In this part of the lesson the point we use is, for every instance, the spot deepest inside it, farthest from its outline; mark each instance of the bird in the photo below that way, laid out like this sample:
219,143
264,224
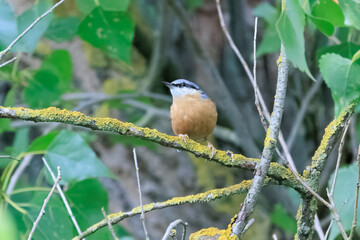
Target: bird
193,114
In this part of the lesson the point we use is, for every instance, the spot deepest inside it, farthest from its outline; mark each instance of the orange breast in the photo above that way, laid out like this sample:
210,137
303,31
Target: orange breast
193,116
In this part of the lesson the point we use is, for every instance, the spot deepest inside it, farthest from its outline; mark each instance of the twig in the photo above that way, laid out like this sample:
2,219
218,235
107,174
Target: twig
14,178
328,229
142,216
7,62
318,228
42,211
341,145
58,187
256,90
310,189
249,224
268,150
274,237
109,223
357,197
336,215
172,226
264,112
2,53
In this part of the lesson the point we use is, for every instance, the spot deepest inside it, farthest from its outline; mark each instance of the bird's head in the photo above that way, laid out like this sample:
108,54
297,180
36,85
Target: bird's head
182,87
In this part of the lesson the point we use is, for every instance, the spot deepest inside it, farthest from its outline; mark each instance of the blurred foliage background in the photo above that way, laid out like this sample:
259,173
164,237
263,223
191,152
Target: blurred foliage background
108,58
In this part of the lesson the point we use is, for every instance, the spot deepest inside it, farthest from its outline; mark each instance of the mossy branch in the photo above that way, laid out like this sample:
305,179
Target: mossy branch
312,176
52,114
211,195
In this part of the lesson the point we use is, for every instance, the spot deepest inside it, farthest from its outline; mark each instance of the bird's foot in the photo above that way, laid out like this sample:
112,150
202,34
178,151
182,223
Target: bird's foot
212,148
184,137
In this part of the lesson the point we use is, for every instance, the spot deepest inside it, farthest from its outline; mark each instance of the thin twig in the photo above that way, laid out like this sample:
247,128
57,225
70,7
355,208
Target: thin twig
7,62
172,226
328,229
58,187
264,112
274,237
249,224
357,197
336,215
42,211
341,145
142,216
310,189
262,118
2,53
109,223
14,178
318,228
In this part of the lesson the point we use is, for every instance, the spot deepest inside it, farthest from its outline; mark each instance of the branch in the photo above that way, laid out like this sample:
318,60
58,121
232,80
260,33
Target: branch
109,224
7,62
42,211
67,206
276,171
353,227
142,216
269,148
211,195
172,226
332,135
2,53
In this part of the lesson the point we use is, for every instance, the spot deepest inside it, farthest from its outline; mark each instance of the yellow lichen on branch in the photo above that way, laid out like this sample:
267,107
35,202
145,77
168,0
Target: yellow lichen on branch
197,198
53,114
214,233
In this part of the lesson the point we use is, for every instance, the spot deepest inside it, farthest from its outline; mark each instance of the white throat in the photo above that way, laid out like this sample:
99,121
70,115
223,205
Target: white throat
180,92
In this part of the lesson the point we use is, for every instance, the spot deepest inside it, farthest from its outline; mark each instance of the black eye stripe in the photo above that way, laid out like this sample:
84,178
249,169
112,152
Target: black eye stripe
185,85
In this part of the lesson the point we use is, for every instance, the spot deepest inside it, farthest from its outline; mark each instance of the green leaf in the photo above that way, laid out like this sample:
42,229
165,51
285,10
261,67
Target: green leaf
271,40
342,77
76,159
266,11
356,57
21,141
42,143
112,32
346,50
43,90
5,125
291,28
8,229
62,29
351,11
329,11
111,5
283,219
59,63
344,197
87,6
55,224
87,198
8,25
30,40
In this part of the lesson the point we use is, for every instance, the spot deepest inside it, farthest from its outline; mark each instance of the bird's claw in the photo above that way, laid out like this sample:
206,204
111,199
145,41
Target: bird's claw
212,148
184,137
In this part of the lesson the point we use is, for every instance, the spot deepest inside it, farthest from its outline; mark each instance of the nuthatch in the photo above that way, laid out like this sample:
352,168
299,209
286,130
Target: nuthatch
192,113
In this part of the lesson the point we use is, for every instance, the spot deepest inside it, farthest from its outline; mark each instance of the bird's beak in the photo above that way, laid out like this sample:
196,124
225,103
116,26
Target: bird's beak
167,84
